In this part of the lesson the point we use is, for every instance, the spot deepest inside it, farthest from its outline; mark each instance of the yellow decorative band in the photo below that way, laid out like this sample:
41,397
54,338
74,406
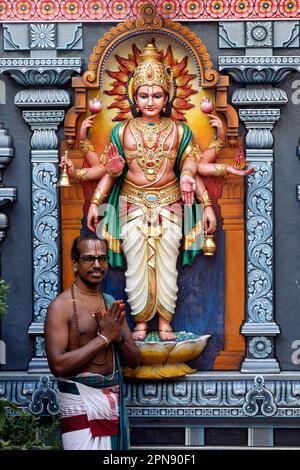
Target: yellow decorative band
193,152
151,197
205,199
113,243
217,145
187,172
193,235
97,197
87,146
221,169
81,174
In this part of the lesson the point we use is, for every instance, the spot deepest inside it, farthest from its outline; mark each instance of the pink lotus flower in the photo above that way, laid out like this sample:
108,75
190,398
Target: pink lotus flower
119,9
217,8
23,10
168,8
71,9
95,9
193,8
95,105
241,8
290,8
47,9
206,105
266,8
4,10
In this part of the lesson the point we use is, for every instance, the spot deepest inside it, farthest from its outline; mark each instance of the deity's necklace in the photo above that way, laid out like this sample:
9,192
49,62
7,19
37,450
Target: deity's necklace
150,159
94,316
151,130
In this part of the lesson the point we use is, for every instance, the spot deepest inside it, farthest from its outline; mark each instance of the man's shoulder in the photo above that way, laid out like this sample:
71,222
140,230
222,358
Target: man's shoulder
61,302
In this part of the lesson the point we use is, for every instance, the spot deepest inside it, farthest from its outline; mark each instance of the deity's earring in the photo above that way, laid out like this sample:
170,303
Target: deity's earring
164,109
137,109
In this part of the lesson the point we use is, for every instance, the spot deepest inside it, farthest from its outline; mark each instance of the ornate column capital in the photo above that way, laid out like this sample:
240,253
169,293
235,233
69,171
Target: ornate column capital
259,96
259,123
40,71
259,117
257,70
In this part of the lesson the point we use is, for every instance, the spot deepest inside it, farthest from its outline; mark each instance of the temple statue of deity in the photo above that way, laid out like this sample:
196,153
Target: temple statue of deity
149,199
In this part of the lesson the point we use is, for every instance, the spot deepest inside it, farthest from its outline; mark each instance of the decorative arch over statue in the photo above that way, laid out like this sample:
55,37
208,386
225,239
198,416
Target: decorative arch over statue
211,292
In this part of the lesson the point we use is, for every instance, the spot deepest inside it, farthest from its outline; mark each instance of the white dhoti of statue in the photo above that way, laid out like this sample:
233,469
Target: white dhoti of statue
151,234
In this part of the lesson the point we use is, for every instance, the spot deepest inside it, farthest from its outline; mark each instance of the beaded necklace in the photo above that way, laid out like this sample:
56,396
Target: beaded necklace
97,363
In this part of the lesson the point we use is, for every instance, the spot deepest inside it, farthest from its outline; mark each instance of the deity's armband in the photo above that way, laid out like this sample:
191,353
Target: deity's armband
103,158
81,174
86,146
217,145
196,153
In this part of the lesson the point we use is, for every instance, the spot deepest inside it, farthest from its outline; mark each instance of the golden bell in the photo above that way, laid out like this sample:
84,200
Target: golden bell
64,181
209,246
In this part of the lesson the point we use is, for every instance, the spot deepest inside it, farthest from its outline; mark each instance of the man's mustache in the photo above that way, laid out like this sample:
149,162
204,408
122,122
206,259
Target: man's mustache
97,271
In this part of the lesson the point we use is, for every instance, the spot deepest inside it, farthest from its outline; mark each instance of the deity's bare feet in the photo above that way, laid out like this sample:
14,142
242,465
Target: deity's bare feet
165,331
140,331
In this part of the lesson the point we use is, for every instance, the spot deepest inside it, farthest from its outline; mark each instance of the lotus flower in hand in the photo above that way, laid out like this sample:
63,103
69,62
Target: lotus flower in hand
206,105
95,105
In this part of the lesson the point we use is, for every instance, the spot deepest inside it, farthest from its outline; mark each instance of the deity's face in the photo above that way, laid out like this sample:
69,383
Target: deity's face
92,271
151,100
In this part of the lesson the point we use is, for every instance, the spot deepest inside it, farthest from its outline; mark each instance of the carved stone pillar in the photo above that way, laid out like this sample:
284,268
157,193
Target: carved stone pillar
260,327
45,223
258,70
41,75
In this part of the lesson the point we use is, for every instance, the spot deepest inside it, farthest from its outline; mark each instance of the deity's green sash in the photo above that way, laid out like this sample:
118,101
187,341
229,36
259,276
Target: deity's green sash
192,223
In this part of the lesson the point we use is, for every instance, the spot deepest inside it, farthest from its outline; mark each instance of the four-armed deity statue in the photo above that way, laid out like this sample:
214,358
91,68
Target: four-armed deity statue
150,199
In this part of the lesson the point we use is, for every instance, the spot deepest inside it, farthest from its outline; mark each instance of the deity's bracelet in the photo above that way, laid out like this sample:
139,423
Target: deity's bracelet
81,174
221,169
187,172
97,197
206,203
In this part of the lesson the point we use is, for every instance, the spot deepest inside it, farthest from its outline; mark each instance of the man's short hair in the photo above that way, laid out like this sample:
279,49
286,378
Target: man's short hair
75,251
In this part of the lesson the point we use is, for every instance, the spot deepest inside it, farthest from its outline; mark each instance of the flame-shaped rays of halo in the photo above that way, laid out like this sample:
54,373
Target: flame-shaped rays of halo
127,65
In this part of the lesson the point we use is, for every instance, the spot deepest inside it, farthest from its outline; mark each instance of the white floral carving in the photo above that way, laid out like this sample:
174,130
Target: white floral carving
42,36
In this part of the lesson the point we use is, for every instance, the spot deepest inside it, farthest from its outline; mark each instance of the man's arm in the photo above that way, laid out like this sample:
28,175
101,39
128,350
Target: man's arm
129,352
64,363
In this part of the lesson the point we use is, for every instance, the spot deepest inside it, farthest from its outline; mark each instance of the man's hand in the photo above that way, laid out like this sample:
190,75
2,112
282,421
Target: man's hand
112,322
235,171
187,188
86,124
209,220
115,161
65,161
92,217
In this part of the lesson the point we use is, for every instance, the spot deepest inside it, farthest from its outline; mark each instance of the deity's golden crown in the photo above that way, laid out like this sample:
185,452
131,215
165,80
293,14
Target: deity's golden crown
151,71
